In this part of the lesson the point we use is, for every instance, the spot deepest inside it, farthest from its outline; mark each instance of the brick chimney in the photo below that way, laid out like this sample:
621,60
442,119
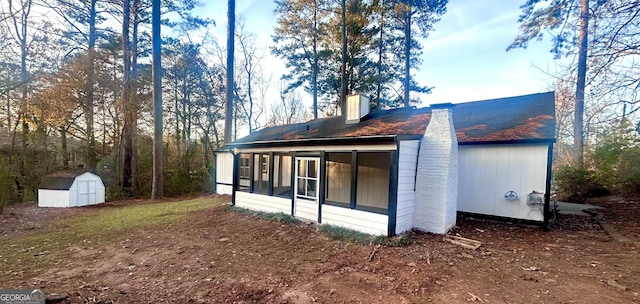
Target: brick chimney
436,193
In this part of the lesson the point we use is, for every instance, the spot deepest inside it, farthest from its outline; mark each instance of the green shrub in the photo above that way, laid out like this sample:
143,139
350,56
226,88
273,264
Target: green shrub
630,172
8,191
576,184
616,159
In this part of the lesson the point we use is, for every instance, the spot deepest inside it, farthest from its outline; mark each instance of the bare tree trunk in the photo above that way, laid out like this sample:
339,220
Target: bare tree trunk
127,129
228,119
88,103
578,128
407,54
65,153
157,186
314,72
20,26
343,84
135,180
176,112
380,54
8,111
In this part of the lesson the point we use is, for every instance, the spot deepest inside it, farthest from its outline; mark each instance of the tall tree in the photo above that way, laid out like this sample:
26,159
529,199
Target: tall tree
424,13
78,15
388,70
359,51
157,184
565,19
19,12
228,119
578,126
289,110
88,102
300,26
127,100
343,57
250,77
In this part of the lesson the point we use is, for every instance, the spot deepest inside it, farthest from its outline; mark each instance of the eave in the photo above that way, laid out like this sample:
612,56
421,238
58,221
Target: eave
323,141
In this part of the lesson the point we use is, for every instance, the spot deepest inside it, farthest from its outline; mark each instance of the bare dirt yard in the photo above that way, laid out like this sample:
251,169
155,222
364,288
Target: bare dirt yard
200,251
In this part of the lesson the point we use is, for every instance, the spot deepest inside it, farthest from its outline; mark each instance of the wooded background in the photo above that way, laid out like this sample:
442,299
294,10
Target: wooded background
76,83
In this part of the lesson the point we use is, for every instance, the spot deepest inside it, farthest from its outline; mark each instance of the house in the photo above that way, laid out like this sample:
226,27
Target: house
47,148
390,171
70,190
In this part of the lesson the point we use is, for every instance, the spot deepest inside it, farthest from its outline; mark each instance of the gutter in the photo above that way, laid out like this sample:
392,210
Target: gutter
319,141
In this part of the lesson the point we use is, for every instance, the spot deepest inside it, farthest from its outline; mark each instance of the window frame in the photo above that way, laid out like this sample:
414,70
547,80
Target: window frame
247,170
290,174
258,184
353,203
244,168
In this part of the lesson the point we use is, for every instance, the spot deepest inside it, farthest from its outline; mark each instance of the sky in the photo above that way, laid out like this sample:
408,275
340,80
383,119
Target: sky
464,59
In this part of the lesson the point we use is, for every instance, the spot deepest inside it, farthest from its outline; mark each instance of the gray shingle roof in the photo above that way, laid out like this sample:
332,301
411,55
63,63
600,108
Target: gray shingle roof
58,181
520,118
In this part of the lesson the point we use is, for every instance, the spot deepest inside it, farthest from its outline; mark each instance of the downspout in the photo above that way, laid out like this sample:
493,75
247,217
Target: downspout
547,190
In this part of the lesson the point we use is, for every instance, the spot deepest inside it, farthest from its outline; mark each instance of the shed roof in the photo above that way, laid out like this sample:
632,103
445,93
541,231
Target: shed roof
59,180
511,119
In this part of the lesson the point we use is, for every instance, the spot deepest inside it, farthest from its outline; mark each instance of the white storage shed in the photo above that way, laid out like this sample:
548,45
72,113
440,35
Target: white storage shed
70,190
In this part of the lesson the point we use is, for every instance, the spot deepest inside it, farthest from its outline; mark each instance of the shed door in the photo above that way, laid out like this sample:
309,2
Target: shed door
306,193
86,192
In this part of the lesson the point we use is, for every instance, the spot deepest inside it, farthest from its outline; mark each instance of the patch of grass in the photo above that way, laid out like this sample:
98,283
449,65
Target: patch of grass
268,216
130,217
401,240
345,234
34,252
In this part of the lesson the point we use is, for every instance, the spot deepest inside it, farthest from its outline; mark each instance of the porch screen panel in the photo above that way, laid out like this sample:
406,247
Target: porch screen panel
282,175
373,180
260,173
338,179
244,172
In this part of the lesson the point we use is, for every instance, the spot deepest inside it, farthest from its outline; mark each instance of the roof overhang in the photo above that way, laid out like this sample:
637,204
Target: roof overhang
366,140
363,140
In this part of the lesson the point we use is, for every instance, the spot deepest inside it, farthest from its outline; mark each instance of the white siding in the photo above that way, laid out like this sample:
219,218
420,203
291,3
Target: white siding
362,221
407,160
224,172
53,198
263,203
306,209
487,172
87,189
224,189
